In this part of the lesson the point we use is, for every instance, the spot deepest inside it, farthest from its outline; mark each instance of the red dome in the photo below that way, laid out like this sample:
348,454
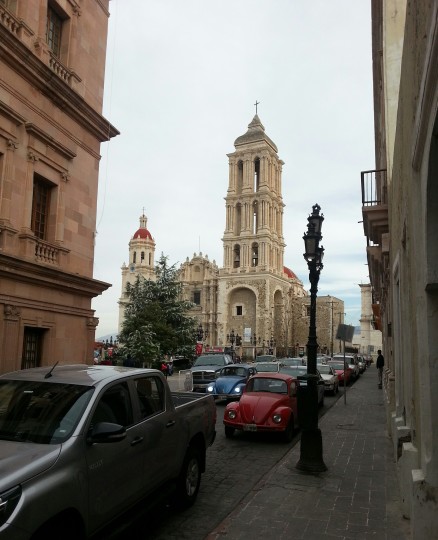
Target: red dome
143,234
289,273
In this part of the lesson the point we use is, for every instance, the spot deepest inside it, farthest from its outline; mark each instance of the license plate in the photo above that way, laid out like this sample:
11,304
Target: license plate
249,427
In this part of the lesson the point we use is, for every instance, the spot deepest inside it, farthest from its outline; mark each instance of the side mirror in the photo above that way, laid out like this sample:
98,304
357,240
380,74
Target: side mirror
106,432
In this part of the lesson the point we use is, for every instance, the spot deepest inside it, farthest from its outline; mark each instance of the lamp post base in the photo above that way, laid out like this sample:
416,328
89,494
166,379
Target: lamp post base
311,459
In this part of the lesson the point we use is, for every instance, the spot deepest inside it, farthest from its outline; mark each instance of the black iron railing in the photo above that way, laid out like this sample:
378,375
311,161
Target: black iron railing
374,187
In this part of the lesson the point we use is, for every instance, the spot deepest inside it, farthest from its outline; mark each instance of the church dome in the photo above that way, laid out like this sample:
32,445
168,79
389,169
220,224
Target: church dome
256,133
142,232
289,273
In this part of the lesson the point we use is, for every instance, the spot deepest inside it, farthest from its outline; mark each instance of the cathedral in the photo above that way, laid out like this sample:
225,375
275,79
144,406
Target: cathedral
253,303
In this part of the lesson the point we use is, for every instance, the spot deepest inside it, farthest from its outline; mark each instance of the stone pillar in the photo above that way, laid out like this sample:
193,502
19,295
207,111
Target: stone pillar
10,350
6,184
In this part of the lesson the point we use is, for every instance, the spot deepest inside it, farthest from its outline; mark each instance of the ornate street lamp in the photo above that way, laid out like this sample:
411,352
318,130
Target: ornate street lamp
311,459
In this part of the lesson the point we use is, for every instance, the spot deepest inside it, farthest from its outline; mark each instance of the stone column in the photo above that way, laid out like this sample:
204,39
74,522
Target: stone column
6,184
11,351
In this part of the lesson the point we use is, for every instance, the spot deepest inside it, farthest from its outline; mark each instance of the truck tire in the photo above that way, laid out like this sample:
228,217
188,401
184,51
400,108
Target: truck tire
229,432
189,479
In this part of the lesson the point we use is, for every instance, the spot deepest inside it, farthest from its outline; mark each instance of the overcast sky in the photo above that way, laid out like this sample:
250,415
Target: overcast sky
182,77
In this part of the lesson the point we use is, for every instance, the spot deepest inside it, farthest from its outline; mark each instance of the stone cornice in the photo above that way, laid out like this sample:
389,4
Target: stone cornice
14,53
39,134
43,276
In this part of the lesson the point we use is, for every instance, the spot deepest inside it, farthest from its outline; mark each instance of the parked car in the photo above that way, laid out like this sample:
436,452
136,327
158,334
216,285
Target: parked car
352,363
331,381
268,404
297,371
205,369
266,358
267,366
82,444
343,371
292,361
361,362
231,381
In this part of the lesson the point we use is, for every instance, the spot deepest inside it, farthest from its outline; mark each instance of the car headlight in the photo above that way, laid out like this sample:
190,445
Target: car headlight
277,418
237,390
210,388
8,501
231,415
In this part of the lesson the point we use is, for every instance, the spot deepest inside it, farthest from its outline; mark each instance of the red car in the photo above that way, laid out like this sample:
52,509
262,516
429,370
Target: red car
340,370
268,404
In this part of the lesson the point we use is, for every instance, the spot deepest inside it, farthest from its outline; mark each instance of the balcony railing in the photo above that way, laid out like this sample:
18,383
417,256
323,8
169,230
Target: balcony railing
374,187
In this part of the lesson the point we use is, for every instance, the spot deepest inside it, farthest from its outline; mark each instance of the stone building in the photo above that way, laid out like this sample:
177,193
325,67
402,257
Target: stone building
52,62
370,336
141,262
400,216
253,296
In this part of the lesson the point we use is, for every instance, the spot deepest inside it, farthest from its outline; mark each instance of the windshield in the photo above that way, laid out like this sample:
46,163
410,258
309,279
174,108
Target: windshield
267,366
258,384
210,361
337,365
232,371
40,412
294,370
324,369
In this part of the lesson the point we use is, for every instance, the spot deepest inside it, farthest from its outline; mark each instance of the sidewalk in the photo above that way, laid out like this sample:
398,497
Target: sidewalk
357,498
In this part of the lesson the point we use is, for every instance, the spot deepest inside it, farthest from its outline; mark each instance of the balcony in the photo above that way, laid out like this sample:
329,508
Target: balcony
374,205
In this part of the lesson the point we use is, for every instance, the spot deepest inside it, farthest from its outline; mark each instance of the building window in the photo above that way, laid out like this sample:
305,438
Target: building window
134,257
150,259
197,297
239,310
142,256
236,260
40,207
255,255
307,311
256,174
32,347
53,31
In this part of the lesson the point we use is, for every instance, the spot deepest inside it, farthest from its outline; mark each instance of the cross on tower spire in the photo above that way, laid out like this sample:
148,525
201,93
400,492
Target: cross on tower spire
256,103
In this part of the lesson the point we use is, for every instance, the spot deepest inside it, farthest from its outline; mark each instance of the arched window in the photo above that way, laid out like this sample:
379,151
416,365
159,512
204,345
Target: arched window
255,217
236,259
256,174
134,257
238,224
239,183
255,254
142,256
150,259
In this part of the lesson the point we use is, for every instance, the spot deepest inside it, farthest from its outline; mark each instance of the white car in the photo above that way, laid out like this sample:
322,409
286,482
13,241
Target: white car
331,381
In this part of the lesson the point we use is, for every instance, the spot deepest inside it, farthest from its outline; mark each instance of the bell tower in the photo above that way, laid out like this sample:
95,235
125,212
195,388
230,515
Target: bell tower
253,238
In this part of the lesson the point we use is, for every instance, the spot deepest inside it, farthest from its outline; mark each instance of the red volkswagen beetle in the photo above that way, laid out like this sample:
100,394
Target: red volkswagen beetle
342,369
268,404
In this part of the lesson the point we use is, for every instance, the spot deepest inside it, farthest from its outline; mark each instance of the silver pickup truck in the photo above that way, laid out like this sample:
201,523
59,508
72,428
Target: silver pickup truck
80,445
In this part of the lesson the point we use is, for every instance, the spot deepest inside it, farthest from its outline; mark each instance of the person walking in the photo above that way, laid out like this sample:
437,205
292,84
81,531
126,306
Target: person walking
380,362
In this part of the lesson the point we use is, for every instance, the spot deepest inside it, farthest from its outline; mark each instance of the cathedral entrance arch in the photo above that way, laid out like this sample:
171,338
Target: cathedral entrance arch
242,318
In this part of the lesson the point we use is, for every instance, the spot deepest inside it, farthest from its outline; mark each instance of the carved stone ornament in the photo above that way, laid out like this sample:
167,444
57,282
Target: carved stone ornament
93,321
12,313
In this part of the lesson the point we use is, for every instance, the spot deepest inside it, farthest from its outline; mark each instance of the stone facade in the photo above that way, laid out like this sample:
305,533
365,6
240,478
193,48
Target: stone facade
52,65
370,338
401,224
253,295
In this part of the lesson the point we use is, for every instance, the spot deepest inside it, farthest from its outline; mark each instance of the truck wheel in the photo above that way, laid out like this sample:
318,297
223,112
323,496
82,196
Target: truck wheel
229,432
189,478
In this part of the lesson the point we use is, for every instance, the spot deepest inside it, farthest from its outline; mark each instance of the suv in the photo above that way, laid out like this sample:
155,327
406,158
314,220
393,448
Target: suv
206,367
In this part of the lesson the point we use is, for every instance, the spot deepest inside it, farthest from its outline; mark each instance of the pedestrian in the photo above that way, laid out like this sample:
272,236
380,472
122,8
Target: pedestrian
380,362
164,369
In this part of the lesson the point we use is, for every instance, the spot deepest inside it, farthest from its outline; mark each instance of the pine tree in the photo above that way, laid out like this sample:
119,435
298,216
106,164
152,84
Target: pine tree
156,321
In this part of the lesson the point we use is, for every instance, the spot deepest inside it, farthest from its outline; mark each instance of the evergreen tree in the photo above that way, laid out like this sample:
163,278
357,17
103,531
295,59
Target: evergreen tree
156,321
